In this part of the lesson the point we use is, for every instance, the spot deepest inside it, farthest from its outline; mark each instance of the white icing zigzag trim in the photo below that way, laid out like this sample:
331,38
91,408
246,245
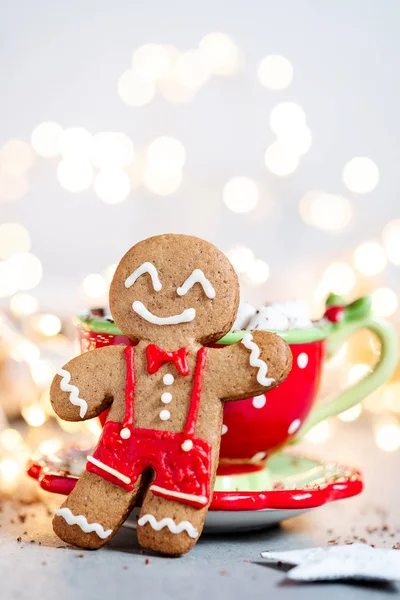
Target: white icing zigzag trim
146,267
185,317
197,277
82,522
73,396
170,524
255,360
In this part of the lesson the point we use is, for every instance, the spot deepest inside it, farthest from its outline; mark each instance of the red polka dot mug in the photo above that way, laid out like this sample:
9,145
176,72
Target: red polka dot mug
256,427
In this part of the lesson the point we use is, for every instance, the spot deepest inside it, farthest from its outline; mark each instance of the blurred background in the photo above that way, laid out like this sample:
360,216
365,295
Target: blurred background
269,128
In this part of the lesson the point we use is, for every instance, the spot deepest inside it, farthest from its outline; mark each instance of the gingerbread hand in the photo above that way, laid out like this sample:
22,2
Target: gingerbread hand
259,362
87,384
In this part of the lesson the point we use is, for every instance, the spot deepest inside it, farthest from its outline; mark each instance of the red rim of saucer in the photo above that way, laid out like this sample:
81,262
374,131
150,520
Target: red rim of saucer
308,497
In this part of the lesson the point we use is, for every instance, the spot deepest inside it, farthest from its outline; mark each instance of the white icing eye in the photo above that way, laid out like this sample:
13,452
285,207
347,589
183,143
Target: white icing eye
197,276
146,267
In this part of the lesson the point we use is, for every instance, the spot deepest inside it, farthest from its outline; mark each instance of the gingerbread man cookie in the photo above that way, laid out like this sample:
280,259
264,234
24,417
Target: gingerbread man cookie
174,296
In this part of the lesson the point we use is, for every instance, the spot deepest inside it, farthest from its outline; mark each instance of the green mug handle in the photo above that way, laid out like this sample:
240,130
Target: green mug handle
354,317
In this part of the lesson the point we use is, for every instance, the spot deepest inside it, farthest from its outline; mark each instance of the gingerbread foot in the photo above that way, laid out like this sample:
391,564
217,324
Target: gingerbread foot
167,526
93,512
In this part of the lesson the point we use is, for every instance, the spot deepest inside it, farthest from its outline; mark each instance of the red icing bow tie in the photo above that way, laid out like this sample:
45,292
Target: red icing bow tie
157,357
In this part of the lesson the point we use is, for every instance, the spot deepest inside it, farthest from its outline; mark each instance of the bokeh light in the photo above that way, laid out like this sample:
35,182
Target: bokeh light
357,372
391,241
166,154
162,183
34,415
339,278
134,89
112,185
109,272
74,176
280,160
241,258
111,149
275,72
25,350
152,61
28,270
12,187
329,212
76,144
286,117
190,70
319,434
370,258
351,414
220,53
94,285
391,396
174,91
47,324
42,373
23,305
385,302
46,138
10,439
8,280
13,238
241,194
16,157
361,175
296,142
387,437
258,272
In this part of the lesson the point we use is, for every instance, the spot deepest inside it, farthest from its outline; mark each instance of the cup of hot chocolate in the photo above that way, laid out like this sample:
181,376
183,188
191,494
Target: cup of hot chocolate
256,427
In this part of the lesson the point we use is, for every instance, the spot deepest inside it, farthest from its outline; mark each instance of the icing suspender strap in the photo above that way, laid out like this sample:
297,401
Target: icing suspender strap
196,392
130,386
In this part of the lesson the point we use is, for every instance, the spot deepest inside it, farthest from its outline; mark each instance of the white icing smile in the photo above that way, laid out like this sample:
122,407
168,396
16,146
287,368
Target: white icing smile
185,317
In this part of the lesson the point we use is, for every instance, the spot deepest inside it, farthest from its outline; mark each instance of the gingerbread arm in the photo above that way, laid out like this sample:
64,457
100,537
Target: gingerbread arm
87,384
256,364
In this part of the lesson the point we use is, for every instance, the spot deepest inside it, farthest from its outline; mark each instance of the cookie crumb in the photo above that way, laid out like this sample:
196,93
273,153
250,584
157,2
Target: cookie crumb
44,563
224,572
125,568
19,539
32,541
80,555
396,546
147,561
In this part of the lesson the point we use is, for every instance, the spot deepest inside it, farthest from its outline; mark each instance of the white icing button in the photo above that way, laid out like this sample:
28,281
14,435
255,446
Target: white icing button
165,415
168,379
166,397
294,426
302,360
125,433
259,401
187,445
224,429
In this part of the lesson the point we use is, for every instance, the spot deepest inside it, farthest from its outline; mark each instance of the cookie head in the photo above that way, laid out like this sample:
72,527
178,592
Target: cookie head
171,289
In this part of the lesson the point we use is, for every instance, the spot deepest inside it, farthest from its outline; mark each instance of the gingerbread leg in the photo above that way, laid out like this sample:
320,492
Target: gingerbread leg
167,526
93,512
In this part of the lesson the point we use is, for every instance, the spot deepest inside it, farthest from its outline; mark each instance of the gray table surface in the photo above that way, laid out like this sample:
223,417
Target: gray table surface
227,566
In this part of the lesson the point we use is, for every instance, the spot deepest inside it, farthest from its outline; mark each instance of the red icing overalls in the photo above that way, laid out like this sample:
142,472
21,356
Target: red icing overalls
182,462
